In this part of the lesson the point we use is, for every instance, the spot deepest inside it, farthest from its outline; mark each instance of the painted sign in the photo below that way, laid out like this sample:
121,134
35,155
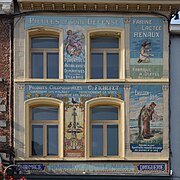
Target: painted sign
151,167
66,21
74,145
74,54
75,30
146,112
146,48
92,168
32,167
146,118
74,92
146,42
74,97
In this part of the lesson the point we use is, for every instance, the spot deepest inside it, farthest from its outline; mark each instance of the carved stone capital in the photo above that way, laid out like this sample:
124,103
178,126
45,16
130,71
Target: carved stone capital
165,87
127,87
20,86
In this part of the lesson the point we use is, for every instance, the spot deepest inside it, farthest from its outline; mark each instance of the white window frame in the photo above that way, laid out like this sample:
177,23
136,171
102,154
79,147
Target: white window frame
119,32
41,102
121,128
38,32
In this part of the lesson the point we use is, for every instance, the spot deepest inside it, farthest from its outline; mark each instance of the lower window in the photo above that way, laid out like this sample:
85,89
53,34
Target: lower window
44,131
104,131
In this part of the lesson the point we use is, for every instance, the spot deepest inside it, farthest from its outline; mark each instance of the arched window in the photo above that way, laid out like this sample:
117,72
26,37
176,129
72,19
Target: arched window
44,54
44,57
106,55
44,127
105,125
104,130
44,130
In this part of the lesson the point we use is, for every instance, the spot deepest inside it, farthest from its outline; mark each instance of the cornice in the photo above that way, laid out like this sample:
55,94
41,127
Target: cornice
100,5
109,1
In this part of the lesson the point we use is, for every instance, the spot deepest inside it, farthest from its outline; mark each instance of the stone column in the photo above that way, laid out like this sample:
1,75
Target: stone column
165,49
19,121
127,45
127,101
166,118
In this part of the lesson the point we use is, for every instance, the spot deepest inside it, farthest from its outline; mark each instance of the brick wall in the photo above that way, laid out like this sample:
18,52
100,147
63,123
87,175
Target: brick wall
5,85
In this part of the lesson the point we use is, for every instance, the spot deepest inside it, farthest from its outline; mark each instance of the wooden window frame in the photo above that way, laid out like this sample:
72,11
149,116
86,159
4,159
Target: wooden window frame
43,32
36,102
121,51
110,101
44,51
44,124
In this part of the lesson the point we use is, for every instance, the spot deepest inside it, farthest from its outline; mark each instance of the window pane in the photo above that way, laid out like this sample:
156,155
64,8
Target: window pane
44,42
112,140
37,140
97,140
37,65
52,140
96,66
44,113
52,65
104,113
112,65
105,42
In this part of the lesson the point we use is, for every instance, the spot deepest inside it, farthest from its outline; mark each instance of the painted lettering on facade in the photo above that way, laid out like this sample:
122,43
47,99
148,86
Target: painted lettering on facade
74,97
152,167
97,168
76,91
60,21
74,37
146,119
146,48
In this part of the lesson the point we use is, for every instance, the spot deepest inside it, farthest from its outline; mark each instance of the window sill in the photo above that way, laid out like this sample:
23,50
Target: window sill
71,159
105,80
162,80
38,80
105,158
39,159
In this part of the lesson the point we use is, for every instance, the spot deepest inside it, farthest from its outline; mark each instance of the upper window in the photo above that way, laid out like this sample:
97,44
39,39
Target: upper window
44,51
45,57
105,56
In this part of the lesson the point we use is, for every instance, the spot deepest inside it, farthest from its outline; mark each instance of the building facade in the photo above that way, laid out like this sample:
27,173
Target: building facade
174,99
6,82
92,88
